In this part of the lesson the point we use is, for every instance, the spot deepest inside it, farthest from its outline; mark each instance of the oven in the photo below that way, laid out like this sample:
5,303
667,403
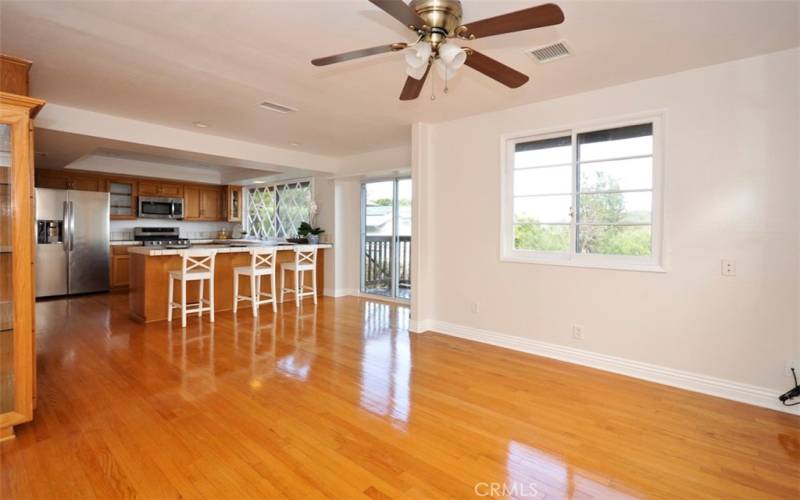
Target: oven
160,208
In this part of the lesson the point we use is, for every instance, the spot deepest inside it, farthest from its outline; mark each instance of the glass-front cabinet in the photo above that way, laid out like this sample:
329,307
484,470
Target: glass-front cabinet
17,367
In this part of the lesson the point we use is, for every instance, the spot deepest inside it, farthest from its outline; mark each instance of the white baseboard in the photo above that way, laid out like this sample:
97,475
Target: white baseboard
745,393
340,292
419,326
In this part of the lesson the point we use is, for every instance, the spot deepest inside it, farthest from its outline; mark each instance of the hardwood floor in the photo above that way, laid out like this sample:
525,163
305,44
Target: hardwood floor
340,401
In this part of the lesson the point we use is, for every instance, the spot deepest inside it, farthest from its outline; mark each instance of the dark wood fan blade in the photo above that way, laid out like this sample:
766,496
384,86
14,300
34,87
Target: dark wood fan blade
526,19
413,87
495,69
401,11
355,54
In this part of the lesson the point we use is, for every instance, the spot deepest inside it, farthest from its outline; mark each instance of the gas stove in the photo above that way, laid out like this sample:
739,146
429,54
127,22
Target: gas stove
166,237
167,243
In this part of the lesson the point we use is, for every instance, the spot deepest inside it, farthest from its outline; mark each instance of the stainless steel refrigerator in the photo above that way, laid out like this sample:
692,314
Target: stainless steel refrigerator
72,242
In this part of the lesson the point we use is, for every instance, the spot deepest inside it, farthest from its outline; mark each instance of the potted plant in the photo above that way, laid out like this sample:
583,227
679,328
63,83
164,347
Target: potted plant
309,232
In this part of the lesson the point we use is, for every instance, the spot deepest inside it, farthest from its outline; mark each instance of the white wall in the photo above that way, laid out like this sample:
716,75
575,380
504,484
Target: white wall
732,178
123,229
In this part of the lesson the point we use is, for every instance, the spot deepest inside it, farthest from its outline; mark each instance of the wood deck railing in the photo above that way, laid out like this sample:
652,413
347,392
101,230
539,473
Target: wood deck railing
377,261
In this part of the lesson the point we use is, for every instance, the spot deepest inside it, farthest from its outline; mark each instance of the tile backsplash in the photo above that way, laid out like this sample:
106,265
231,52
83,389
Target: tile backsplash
123,229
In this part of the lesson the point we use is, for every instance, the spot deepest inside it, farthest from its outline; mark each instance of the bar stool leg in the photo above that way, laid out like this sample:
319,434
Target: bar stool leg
283,281
273,292
183,303
314,283
253,297
170,299
235,292
297,287
211,297
200,299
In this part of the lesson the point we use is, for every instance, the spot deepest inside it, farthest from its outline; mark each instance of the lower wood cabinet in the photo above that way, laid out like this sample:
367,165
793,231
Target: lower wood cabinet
119,275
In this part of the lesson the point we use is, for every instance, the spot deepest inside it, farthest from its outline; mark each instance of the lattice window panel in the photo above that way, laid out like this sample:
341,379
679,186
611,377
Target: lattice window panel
276,211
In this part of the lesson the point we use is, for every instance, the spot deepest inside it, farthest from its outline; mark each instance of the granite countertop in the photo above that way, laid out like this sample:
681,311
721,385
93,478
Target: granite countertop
155,252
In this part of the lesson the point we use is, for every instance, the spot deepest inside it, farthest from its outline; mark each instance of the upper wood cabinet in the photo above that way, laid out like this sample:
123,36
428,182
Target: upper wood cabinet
211,203
234,203
203,202
17,217
14,75
123,192
191,203
157,188
61,179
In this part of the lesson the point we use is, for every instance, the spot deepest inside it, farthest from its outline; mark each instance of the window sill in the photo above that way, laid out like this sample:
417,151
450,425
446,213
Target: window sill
610,265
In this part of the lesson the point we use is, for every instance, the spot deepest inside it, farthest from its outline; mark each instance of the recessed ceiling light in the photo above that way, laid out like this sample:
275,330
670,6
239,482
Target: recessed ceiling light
200,124
258,182
294,144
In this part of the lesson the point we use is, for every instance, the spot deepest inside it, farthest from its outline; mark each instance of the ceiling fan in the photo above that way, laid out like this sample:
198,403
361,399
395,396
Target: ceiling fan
436,21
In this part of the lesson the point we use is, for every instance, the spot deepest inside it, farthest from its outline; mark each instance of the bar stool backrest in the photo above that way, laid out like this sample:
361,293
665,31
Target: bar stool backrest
198,260
262,258
305,255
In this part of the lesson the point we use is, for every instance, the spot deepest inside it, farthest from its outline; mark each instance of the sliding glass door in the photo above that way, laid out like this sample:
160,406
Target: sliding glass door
386,238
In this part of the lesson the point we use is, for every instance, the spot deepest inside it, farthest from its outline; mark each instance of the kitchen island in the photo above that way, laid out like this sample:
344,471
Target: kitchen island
149,278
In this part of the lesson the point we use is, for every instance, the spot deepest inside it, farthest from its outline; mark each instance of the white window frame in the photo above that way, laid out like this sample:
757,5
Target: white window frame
246,204
651,263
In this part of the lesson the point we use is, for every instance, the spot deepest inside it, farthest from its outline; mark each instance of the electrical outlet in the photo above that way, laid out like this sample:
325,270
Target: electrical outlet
793,363
577,332
728,267
476,307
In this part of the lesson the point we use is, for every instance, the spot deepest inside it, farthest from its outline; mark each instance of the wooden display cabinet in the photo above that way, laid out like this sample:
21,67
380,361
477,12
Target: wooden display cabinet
17,349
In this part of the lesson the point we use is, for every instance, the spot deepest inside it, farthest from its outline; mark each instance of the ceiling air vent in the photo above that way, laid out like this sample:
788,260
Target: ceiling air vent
550,52
278,108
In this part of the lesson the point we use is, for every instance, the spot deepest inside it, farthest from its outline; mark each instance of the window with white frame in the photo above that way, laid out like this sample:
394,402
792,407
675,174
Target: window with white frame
588,196
275,211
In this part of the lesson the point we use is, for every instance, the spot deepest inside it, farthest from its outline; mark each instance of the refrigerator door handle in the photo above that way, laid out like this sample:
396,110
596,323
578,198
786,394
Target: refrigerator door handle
66,226
71,227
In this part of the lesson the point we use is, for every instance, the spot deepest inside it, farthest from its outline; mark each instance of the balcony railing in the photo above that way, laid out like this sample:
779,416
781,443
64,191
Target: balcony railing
378,265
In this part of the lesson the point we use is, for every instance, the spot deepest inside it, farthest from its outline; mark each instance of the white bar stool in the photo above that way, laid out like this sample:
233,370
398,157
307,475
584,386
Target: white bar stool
305,259
262,263
197,265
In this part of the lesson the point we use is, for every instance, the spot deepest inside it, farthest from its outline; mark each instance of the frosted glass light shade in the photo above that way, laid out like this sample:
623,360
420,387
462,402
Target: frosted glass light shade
416,73
452,55
418,55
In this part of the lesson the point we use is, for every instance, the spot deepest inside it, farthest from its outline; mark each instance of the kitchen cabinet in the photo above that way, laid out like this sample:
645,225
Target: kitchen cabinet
118,267
202,203
17,348
210,203
234,203
191,203
60,179
156,188
122,193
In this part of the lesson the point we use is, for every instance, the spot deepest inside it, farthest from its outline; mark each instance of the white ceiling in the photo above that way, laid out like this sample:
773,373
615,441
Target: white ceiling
174,63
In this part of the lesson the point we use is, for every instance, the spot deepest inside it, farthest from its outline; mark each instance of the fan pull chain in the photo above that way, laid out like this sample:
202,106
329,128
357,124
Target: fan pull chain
433,89
445,81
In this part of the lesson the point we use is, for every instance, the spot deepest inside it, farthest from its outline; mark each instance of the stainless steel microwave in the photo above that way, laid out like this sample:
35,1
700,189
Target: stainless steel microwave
153,207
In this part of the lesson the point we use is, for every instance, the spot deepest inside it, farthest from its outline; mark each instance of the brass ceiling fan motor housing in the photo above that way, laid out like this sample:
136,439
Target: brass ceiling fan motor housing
442,16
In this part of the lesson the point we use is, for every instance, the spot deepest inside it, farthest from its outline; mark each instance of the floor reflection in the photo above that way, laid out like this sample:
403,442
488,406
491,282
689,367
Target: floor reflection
198,375
386,362
301,331
532,473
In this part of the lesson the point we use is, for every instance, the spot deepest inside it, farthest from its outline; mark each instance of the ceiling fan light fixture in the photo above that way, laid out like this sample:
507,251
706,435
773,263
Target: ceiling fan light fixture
418,72
417,56
445,72
453,56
